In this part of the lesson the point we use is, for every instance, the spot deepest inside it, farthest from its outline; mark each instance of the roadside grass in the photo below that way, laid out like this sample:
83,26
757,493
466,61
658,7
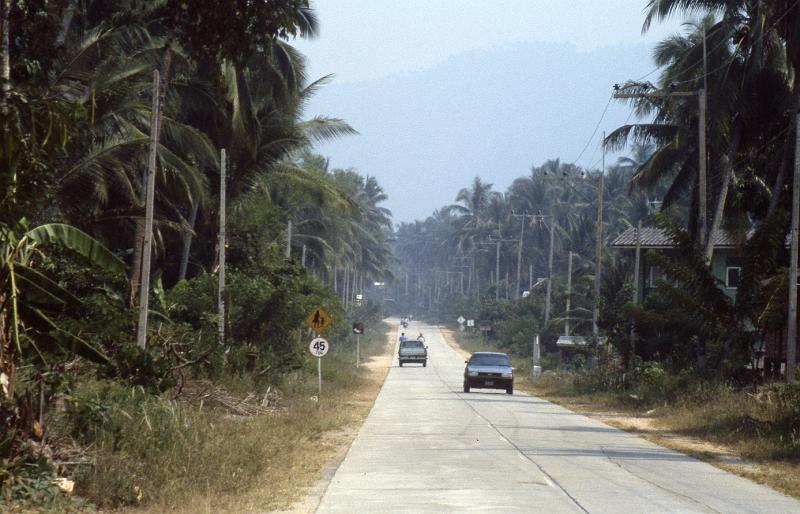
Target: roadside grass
156,454
755,435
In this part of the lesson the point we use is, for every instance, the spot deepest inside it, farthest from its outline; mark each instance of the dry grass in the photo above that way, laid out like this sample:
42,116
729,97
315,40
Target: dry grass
179,457
730,429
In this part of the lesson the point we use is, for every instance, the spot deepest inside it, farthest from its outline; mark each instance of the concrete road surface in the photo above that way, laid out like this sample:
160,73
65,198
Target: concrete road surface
428,447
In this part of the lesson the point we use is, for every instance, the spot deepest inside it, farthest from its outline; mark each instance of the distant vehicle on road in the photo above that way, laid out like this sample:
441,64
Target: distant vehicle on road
412,351
489,370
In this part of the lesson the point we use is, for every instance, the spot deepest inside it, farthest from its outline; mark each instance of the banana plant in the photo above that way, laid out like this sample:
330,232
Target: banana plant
29,299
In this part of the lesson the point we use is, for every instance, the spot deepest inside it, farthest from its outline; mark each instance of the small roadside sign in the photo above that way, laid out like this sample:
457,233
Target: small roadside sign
318,320
461,320
470,322
318,347
358,328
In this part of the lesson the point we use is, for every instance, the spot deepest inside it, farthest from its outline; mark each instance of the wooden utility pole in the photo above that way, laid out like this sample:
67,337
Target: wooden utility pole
702,187
569,293
791,323
598,248
144,288
636,272
221,289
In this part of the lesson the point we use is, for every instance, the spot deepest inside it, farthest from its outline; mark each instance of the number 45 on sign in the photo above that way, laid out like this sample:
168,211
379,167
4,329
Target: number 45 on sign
318,347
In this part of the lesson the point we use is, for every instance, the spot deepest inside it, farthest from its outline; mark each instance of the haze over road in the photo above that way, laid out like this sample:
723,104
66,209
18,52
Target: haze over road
428,447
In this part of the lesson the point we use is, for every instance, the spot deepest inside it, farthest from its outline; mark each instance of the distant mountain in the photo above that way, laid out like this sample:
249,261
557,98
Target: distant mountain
494,113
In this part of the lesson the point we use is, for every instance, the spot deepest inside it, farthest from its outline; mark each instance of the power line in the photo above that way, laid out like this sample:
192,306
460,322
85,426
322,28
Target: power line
594,132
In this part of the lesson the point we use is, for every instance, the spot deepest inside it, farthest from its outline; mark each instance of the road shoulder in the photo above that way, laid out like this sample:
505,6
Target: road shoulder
781,476
342,439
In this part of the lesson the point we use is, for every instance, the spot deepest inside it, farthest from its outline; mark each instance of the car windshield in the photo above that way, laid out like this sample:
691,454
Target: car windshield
411,344
489,360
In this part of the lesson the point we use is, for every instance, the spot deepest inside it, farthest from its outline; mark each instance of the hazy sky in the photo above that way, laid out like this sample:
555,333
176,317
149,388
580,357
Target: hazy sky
452,53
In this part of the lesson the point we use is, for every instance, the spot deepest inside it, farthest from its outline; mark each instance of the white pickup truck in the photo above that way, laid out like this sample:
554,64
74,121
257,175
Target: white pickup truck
412,351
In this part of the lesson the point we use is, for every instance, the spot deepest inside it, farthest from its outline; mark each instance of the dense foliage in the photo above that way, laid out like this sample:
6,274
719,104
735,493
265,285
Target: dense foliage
76,110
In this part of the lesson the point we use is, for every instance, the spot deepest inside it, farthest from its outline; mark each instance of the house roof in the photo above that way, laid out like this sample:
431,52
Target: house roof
658,238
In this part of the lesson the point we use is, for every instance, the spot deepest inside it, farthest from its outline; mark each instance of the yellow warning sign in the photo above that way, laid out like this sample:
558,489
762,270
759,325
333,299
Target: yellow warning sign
318,320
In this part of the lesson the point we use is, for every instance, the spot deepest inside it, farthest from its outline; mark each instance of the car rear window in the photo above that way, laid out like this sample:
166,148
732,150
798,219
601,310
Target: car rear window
489,360
411,344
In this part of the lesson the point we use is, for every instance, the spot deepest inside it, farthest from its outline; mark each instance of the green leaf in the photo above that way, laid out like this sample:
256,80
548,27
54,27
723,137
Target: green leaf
78,241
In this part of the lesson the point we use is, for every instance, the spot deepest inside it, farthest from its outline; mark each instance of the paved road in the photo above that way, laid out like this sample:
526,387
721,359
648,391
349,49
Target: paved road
428,447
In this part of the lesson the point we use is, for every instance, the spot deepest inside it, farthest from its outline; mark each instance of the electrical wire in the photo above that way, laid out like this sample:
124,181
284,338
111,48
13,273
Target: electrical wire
594,132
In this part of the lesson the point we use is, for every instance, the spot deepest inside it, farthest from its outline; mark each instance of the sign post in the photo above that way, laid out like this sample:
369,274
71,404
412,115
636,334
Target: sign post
317,321
358,329
318,348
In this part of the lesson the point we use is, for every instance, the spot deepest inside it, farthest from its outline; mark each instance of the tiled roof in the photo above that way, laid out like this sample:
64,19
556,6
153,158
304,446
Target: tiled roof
658,238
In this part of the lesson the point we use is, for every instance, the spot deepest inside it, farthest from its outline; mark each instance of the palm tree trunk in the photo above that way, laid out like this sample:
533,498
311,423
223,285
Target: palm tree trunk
66,21
187,242
716,222
786,160
5,48
135,277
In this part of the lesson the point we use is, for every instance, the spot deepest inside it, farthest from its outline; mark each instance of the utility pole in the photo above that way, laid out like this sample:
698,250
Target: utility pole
549,274
498,241
702,187
569,293
791,323
519,251
303,257
598,248
288,250
530,277
221,288
636,271
144,288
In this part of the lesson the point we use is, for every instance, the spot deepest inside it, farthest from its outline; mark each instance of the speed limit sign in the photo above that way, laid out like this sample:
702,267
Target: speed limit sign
318,347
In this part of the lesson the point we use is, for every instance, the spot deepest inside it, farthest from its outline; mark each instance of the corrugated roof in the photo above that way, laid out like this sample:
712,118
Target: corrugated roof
658,238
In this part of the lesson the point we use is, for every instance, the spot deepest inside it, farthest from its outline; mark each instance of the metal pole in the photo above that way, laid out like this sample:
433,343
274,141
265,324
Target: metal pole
319,376
144,288
303,257
221,288
791,323
569,293
598,248
358,349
